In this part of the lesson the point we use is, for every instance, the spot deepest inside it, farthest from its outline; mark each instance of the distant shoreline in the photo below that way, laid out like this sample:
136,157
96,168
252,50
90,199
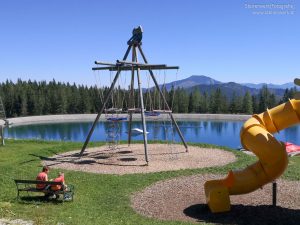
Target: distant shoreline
71,118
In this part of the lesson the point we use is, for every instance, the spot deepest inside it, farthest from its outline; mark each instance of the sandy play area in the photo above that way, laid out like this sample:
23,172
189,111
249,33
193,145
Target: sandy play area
128,160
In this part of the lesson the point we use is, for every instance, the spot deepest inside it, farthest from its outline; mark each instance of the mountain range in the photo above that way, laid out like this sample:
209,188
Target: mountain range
205,80
208,84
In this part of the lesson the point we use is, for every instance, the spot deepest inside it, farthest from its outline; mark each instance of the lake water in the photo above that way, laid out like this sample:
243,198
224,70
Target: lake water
225,133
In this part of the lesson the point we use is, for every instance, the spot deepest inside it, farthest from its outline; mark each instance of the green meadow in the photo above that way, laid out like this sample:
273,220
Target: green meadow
99,199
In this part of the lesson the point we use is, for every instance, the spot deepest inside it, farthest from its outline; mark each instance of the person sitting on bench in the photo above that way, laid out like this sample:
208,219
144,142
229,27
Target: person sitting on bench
60,178
43,176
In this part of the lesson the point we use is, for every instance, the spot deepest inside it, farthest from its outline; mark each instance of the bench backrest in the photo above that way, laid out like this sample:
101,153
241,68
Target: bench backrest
37,182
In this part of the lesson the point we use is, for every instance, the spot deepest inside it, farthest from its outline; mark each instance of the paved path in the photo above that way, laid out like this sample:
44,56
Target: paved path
91,117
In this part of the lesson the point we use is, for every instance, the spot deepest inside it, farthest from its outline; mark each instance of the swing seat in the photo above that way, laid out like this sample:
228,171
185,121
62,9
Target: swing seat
112,110
134,110
152,113
116,119
162,111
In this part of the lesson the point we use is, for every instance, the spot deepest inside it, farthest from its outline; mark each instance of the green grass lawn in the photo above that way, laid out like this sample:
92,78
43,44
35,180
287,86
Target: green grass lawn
99,199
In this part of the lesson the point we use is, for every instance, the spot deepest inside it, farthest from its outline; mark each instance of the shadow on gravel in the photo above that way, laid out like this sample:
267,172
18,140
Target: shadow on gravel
245,215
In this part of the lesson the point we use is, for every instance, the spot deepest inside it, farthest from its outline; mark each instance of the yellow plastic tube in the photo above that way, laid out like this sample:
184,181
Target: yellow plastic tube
256,136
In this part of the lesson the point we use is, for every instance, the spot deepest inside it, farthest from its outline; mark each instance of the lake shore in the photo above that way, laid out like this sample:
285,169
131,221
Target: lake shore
71,118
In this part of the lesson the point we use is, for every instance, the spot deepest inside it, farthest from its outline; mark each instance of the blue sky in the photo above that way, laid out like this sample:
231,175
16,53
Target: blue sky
226,40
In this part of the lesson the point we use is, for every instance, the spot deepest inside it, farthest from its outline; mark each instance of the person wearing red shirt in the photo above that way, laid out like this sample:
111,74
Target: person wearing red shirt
60,178
43,176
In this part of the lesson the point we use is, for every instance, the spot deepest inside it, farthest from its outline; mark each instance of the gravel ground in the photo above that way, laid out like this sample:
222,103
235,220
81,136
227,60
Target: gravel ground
128,160
183,199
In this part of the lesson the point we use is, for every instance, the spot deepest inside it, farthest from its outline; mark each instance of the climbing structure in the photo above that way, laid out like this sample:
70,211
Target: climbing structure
134,44
113,118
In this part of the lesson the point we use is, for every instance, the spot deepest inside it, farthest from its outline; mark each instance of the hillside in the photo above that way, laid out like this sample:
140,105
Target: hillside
207,84
230,88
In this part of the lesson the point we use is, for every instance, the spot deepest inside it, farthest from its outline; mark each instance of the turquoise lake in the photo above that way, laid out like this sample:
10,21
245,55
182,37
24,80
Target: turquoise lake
224,133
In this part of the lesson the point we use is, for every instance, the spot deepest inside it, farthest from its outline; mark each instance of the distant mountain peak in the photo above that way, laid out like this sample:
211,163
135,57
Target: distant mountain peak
192,81
198,76
202,79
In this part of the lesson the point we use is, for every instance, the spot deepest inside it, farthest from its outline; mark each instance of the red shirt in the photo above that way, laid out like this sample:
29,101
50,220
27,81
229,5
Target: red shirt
43,177
61,178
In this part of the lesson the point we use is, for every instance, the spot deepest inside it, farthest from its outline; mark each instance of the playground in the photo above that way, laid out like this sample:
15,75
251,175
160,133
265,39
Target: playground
157,182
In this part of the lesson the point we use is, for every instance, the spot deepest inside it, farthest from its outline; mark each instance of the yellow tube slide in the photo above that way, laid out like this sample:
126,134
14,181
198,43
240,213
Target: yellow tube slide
256,136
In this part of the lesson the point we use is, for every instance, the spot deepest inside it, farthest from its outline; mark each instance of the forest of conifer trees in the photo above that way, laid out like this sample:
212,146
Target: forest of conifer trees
27,98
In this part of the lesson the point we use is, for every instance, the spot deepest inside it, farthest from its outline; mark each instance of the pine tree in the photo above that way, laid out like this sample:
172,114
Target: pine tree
39,105
175,102
272,101
96,99
191,105
183,101
285,96
255,103
239,104
216,101
84,104
247,103
61,102
224,105
266,99
288,94
233,104
31,99
205,106
195,101
8,96
264,96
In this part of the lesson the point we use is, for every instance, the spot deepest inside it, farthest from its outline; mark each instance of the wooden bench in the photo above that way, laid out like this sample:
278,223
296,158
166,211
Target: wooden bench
30,186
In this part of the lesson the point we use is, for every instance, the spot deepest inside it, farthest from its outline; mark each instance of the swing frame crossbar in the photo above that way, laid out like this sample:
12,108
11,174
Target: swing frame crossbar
134,67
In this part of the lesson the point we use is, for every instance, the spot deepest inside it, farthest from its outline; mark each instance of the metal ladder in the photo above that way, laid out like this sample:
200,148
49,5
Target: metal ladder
113,128
113,135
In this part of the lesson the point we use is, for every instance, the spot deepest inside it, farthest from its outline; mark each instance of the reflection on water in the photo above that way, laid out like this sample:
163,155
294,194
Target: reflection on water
224,133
